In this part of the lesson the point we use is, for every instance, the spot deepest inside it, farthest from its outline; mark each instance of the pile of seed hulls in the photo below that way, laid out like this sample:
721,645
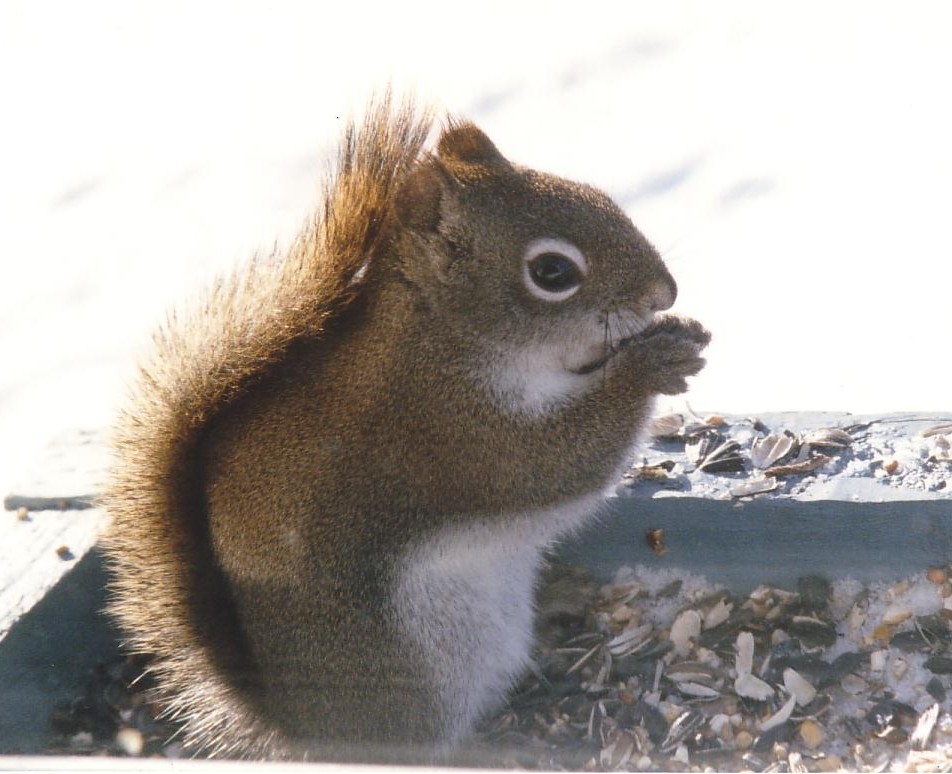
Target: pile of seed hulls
661,671
114,716
740,458
657,672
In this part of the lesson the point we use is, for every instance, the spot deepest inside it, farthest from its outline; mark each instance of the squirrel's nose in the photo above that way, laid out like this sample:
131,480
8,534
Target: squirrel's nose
662,293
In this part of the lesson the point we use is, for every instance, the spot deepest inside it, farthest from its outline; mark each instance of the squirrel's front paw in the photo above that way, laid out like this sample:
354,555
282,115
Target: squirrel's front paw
668,352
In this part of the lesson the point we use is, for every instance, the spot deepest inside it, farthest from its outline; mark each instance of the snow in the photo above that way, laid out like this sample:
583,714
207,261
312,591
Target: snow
792,165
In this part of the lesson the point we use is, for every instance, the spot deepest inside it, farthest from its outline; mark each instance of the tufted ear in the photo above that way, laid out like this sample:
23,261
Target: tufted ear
464,143
419,200
464,155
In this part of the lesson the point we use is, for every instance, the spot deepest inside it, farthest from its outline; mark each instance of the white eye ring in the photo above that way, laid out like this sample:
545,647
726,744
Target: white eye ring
568,276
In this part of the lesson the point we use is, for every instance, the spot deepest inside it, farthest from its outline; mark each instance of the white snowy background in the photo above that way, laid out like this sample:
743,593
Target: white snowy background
791,161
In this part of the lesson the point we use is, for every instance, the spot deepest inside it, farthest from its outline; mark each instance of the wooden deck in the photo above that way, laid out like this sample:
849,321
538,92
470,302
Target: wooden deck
52,579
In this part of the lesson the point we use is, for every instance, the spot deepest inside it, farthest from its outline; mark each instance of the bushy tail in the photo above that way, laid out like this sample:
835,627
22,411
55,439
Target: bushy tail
166,593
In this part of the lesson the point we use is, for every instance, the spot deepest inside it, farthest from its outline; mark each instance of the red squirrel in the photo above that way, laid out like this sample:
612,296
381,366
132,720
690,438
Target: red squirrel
337,475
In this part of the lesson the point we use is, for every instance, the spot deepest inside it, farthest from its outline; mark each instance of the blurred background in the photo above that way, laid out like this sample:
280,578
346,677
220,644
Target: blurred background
792,163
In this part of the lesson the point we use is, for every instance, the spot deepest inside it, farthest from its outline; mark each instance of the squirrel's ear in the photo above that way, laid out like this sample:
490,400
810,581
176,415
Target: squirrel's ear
465,143
418,203
464,154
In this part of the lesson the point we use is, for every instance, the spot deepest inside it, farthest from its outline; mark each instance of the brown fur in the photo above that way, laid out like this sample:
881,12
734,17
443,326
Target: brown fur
293,439
166,590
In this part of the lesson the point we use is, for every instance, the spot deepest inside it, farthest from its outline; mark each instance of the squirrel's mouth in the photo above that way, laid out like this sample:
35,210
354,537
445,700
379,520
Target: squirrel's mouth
595,365
627,330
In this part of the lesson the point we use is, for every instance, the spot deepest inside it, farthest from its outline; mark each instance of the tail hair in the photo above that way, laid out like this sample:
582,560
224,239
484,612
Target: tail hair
164,589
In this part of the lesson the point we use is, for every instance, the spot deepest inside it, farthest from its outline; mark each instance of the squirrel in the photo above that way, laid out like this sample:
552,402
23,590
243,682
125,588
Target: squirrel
336,477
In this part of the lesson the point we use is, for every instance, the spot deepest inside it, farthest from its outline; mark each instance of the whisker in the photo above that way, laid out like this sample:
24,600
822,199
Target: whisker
620,327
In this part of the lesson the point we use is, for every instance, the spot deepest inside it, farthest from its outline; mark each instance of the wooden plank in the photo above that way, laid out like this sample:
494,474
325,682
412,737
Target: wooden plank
49,523
849,518
66,477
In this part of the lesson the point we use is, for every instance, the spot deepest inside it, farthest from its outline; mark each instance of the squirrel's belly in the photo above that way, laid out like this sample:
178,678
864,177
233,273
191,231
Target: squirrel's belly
464,599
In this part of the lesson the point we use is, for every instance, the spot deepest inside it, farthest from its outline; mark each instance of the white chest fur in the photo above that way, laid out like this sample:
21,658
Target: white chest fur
534,379
465,596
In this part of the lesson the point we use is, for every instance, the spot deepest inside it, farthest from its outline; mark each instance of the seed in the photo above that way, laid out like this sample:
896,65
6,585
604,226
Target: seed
899,667
622,614
798,468
718,614
683,726
940,665
752,687
721,725
890,466
81,739
23,513
768,450
937,575
630,640
924,727
780,717
828,438
883,632
890,713
667,426
877,660
723,459
684,631
697,447
893,735
130,741
856,617
909,642
754,486
618,751
651,472
753,762
773,737
798,687
936,689
744,662
815,592
853,684
812,632
682,755
815,709
64,553
655,539
693,672
698,690
896,614
830,763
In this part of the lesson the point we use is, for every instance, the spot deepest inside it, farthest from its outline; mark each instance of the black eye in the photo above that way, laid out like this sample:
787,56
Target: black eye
553,269
554,272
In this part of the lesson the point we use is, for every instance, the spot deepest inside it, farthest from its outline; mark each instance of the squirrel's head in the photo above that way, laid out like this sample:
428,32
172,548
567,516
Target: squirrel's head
550,275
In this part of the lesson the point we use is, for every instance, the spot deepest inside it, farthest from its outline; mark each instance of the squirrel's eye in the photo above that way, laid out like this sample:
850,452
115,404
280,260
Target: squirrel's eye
554,272
554,269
